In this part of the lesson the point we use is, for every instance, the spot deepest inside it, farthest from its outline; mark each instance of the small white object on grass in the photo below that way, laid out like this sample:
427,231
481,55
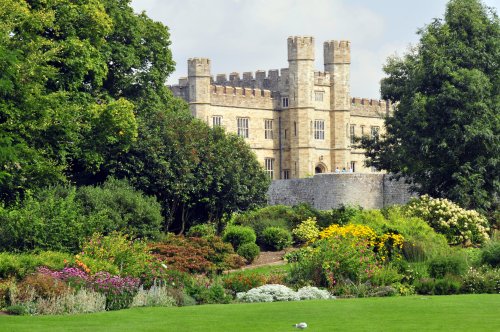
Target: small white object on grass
300,325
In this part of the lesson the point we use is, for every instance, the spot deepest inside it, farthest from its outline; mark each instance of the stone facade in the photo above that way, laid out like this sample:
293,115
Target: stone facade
299,121
327,191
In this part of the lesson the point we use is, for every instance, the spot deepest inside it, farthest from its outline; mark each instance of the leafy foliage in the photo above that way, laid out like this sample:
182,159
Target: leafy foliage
276,238
61,218
249,251
444,133
239,235
460,226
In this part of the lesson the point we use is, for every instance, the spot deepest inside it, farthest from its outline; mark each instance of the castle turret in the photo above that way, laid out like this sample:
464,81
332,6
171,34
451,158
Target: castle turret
301,106
337,60
199,86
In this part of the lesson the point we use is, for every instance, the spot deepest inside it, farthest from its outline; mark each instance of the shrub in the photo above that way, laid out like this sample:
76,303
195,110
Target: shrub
460,226
446,286
238,235
51,220
482,280
40,285
83,301
206,291
119,291
201,230
17,310
421,242
344,214
306,231
388,246
276,238
249,251
490,254
383,291
60,218
313,293
335,260
196,255
242,282
155,296
452,264
280,216
121,208
20,265
268,293
130,256
424,286
386,276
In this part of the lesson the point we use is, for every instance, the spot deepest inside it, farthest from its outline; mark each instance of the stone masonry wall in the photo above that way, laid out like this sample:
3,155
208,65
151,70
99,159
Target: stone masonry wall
327,191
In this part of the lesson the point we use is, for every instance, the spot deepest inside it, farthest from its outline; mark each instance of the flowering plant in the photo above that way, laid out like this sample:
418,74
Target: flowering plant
306,231
119,291
460,226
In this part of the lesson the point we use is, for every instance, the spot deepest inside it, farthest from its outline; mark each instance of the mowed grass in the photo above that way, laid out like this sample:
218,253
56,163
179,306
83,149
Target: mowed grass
418,313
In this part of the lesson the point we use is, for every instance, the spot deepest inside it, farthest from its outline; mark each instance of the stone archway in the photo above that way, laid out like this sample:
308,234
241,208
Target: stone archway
320,168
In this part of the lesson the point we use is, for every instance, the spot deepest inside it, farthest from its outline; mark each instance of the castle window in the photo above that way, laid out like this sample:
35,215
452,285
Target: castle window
268,129
375,132
362,130
295,128
269,165
353,138
318,95
216,120
319,129
242,127
286,174
284,102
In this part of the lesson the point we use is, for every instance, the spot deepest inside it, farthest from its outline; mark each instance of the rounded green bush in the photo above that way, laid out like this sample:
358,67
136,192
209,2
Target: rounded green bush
439,267
490,254
239,235
201,230
249,251
276,238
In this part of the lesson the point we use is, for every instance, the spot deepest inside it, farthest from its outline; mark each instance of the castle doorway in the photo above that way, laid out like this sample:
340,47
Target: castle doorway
320,168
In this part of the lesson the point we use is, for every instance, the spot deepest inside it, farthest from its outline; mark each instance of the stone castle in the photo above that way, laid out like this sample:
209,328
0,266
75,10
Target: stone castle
299,121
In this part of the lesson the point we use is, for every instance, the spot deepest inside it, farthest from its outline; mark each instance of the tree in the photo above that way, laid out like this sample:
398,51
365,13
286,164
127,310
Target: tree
197,173
444,134
74,76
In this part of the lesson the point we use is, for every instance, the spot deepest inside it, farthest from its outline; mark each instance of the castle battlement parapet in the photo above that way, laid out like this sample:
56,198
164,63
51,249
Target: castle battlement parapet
321,78
227,95
369,107
274,79
337,52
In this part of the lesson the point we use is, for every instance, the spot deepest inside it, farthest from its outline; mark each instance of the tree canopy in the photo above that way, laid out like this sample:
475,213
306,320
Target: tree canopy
444,132
83,96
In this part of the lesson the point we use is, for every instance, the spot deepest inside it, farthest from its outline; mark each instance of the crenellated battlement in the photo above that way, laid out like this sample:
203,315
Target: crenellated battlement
274,79
322,78
225,95
337,52
300,48
198,67
369,107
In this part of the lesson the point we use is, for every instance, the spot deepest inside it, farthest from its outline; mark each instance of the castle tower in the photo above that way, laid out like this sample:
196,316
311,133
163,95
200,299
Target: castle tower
199,87
301,106
337,60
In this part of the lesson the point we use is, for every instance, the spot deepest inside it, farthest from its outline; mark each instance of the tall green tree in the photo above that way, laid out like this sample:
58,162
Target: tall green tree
444,133
74,75
197,173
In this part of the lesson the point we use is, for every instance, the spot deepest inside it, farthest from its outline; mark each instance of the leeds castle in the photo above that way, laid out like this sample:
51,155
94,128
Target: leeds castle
299,121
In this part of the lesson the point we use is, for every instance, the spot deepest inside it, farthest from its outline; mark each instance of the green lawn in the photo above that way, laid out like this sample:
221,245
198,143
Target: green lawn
419,313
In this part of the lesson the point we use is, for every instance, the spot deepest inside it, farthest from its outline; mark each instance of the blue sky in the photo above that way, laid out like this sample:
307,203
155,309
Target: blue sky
250,35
